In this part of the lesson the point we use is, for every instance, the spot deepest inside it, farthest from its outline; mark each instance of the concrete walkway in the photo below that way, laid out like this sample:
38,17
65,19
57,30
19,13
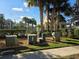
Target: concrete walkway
47,54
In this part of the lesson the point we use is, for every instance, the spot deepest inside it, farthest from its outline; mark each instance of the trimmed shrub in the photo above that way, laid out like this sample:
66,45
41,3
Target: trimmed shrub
76,33
47,33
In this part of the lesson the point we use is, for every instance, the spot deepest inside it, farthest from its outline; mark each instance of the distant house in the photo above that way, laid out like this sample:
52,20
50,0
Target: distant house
8,24
5,24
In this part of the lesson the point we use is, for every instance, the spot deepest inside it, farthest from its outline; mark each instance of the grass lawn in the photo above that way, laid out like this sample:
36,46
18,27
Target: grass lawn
70,41
50,46
66,42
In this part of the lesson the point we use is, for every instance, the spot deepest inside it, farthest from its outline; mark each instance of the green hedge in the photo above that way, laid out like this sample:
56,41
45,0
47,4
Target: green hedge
76,33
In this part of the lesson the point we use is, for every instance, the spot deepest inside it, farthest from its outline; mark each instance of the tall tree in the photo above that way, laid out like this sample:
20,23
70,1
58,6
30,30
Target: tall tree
47,12
38,3
60,6
27,22
33,22
57,7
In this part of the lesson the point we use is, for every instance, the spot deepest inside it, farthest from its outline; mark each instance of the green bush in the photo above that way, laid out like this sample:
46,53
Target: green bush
63,32
47,33
76,33
35,32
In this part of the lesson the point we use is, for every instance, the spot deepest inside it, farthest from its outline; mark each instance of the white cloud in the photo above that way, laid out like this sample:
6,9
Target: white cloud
25,4
29,17
21,17
17,9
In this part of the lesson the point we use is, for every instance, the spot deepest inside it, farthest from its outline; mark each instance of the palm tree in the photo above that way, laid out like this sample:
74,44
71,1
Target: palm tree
59,6
27,21
47,12
21,24
38,3
33,22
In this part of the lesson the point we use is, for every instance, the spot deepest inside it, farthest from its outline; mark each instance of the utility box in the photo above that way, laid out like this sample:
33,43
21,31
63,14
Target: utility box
11,40
32,38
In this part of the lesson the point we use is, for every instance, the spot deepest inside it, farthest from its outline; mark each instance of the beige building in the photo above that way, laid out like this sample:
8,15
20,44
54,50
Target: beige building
45,23
62,24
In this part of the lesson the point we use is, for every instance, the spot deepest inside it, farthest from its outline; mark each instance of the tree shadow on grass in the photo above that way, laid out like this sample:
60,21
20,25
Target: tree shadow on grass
44,44
15,50
73,42
32,55
40,55
76,38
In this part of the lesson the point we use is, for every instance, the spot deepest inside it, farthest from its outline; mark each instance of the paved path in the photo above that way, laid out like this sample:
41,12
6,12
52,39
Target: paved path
46,54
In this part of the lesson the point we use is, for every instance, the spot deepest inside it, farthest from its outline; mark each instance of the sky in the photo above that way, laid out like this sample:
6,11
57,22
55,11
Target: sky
16,9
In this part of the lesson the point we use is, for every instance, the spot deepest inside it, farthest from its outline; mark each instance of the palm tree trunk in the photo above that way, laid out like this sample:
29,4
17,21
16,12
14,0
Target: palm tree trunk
47,12
25,26
32,27
41,14
53,20
57,32
28,28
